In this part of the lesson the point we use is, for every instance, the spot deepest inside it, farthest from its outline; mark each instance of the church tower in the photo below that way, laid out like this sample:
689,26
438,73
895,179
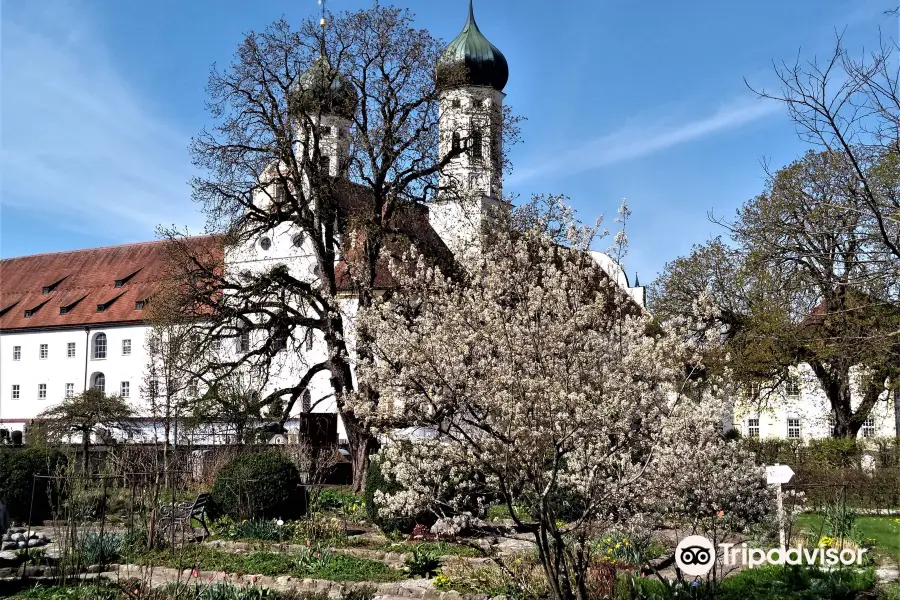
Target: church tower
471,76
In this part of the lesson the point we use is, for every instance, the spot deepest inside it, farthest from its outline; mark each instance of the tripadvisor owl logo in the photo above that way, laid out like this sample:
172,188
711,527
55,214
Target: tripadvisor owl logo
695,556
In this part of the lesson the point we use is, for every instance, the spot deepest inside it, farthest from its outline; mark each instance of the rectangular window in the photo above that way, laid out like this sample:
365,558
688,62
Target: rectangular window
125,389
70,390
154,388
17,352
793,429
868,428
70,350
192,390
244,343
15,391
753,428
139,305
42,391
126,347
44,351
792,388
477,145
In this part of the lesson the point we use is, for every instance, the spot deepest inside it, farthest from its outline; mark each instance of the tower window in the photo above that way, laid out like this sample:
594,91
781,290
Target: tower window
457,103
477,143
297,240
244,341
280,194
325,130
457,141
265,243
325,164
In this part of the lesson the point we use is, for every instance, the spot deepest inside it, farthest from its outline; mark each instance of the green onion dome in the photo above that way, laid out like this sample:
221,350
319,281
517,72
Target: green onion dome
321,89
484,64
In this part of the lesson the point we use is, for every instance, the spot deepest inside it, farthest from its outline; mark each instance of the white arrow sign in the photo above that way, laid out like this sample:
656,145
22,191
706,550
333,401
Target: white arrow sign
778,474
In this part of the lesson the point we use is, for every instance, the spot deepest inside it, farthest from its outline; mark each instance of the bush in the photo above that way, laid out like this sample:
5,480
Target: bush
262,485
422,563
101,548
18,468
376,481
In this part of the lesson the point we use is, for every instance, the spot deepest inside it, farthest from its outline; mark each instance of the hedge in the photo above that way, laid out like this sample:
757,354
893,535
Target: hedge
260,485
18,467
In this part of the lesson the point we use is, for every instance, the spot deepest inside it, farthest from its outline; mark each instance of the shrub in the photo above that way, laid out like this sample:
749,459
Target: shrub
375,482
262,485
101,548
18,468
835,452
422,563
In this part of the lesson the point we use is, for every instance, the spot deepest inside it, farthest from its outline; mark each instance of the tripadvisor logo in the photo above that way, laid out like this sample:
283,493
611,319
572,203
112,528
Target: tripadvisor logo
695,556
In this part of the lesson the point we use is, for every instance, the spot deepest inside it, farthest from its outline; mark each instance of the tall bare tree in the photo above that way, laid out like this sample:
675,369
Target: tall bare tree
330,134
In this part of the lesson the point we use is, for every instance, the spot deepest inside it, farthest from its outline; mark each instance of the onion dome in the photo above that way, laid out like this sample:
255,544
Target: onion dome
322,89
484,64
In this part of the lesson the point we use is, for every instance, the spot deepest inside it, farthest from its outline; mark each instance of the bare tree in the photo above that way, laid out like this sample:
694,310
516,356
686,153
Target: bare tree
329,136
851,106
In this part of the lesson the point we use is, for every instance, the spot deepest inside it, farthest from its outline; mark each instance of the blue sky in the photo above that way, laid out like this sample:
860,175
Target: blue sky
642,100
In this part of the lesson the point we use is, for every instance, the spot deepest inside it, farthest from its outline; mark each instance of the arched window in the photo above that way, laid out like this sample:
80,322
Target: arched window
98,382
477,143
457,140
99,346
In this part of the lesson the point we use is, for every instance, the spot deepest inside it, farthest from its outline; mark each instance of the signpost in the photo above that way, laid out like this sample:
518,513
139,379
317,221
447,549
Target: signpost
778,475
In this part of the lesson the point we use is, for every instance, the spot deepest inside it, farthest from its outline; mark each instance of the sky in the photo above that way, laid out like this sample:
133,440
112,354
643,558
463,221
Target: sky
639,100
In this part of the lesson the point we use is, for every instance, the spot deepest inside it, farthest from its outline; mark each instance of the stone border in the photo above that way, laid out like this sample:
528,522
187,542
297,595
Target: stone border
160,576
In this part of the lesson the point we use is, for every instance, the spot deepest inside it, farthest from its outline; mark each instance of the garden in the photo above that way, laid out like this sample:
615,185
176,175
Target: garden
265,535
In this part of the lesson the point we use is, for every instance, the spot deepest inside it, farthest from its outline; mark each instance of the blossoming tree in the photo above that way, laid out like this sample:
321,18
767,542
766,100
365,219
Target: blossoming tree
537,374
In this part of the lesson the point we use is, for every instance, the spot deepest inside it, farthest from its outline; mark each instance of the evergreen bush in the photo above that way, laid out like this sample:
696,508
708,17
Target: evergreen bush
261,485
18,468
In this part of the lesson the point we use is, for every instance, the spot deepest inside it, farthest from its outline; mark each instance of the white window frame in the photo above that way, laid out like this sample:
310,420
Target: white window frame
17,352
94,385
98,352
792,388
125,389
868,427
126,347
42,391
70,390
70,350
753,427
44,351
16,391
798,428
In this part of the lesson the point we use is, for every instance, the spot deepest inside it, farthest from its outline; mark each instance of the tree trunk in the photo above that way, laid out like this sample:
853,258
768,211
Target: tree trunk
85,457
897,412
362,447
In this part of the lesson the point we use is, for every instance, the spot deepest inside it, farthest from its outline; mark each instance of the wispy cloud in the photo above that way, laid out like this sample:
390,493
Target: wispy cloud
80,146
636,140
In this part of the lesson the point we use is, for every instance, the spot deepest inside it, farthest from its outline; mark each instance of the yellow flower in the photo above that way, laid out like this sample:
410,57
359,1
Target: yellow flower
618,546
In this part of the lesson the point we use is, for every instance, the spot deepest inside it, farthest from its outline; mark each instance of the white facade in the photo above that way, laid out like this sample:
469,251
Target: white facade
799,410
41,382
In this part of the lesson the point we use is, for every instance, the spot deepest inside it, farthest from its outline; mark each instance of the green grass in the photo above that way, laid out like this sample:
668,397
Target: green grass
338,567
435,548
884,530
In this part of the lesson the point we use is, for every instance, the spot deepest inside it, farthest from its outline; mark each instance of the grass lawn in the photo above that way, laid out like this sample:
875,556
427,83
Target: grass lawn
884,530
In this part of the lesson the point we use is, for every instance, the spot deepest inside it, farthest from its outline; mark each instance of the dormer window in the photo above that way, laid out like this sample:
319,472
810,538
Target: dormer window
139,305
28,313
63,310
49,288
101,307
120,282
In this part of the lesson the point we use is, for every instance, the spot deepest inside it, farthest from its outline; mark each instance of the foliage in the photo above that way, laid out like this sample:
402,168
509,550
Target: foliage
840,520
346,503
253,529
313,557
101,548
18,468
258,485
421,562
796,583
516,576
880,534
335,567
377,483
634,550
317,528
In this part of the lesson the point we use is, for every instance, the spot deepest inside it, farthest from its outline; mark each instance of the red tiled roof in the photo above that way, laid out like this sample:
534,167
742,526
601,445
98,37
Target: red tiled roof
88,279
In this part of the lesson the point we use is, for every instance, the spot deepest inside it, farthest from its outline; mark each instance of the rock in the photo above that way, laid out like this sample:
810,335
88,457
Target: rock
6,546
35,535
17,537
21,543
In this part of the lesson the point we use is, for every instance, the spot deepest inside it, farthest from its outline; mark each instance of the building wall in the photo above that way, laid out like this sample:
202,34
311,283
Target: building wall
58,368
811,408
